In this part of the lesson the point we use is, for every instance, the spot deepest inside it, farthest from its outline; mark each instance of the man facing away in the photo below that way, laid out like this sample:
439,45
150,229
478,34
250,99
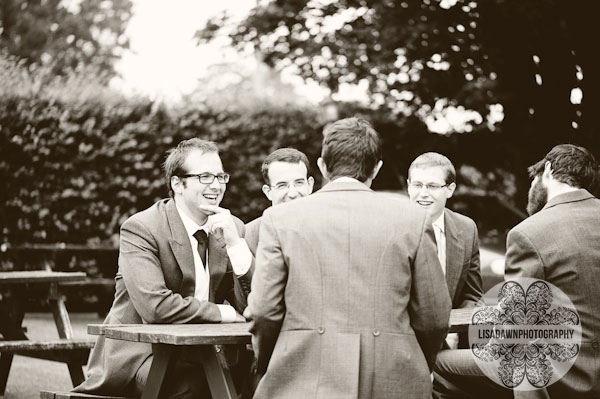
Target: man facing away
345,299
560,243
286,173
179,260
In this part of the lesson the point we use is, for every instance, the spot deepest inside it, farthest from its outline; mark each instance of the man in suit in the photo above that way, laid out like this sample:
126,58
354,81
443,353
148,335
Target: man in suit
179,260
560,243
345,299
431,182
286,173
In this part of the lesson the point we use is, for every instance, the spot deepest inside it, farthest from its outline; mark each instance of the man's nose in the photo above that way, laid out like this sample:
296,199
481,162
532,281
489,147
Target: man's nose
215,184
292,191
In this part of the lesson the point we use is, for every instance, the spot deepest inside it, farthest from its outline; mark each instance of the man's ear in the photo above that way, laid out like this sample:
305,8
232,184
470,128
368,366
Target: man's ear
266,189
311,183
547,170
177,185
451,188
323,168
376,170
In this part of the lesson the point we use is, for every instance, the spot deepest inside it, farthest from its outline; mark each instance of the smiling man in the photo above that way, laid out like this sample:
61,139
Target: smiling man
286,173
431,182
179,260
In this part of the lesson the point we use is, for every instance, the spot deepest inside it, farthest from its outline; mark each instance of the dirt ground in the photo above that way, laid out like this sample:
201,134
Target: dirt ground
27,375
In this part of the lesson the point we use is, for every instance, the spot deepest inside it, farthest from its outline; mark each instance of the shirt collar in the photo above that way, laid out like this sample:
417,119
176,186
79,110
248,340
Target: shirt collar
439,223
191,227
345,179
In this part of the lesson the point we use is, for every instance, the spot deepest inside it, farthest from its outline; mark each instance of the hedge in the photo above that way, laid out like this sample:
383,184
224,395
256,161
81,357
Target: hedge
73,172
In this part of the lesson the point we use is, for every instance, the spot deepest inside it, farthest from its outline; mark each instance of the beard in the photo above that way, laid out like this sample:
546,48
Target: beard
537,199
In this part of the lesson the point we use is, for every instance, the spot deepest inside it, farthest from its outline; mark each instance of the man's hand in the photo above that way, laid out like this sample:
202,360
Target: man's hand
247,313
220,223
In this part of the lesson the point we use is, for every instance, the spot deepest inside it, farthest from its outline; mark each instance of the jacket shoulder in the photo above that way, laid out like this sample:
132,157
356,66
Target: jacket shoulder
460,219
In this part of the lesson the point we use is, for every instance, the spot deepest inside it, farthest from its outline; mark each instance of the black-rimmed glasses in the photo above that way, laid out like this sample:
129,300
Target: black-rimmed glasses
208,178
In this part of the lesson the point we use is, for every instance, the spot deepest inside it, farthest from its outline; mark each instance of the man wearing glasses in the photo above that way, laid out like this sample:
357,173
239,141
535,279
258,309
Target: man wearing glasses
179,260
286,173
431,182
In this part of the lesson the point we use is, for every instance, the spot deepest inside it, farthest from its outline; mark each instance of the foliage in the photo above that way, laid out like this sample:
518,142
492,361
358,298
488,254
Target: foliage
67,35
73,170
510,68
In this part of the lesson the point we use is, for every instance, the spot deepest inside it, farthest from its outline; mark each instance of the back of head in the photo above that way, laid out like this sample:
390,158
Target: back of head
434,160
176,157
352,148
289,155
571,164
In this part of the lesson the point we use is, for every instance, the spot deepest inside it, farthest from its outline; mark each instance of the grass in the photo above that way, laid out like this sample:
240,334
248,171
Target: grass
27,375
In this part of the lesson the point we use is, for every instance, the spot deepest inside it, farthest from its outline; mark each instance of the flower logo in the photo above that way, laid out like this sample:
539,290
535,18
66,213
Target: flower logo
529,338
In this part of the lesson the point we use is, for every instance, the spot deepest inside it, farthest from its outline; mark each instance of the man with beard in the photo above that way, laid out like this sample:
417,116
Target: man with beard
560,244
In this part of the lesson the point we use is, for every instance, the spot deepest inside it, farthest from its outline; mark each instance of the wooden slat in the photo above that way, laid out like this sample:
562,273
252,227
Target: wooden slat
75,395
460,319
183,334
59,344
39,276
58,248
99,329
108,282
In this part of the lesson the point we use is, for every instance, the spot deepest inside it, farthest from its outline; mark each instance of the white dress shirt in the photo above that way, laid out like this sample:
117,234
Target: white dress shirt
239,255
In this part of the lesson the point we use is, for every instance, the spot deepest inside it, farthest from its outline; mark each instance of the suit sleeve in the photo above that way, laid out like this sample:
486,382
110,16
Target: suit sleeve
143,276
237,287
522,259
429,306
266,301
473,288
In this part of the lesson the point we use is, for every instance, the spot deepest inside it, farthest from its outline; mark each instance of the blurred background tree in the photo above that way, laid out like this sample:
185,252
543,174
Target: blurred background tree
501,81
67,35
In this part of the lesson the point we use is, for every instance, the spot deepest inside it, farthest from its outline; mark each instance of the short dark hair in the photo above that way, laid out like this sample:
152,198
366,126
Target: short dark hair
571,164
351,147
173,165
289,155
434,159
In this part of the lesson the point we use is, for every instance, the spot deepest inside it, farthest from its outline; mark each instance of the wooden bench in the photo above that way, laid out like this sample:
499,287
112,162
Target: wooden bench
75,395
63,350
101,287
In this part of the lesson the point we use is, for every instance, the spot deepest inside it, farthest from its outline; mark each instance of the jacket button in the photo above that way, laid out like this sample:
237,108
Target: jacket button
376,332
321,330
595,344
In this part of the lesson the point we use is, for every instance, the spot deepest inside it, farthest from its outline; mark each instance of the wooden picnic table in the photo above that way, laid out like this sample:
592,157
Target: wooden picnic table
18,287
169,339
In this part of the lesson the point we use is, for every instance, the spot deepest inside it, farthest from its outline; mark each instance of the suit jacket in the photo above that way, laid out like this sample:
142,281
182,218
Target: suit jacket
251,234
155,283
561,245
463,274
346,300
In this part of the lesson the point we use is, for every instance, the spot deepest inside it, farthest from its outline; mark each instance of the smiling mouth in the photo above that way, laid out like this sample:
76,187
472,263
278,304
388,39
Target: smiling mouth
425,203
211,197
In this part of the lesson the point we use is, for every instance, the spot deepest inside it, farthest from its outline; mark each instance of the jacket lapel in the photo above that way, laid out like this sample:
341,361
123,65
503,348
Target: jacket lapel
217,264
454,253
180,245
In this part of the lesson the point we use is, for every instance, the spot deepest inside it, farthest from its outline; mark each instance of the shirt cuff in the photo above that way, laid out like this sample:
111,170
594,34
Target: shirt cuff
240,257
227,313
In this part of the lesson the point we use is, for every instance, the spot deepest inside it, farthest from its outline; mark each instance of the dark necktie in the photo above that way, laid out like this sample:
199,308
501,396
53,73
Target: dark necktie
202,238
